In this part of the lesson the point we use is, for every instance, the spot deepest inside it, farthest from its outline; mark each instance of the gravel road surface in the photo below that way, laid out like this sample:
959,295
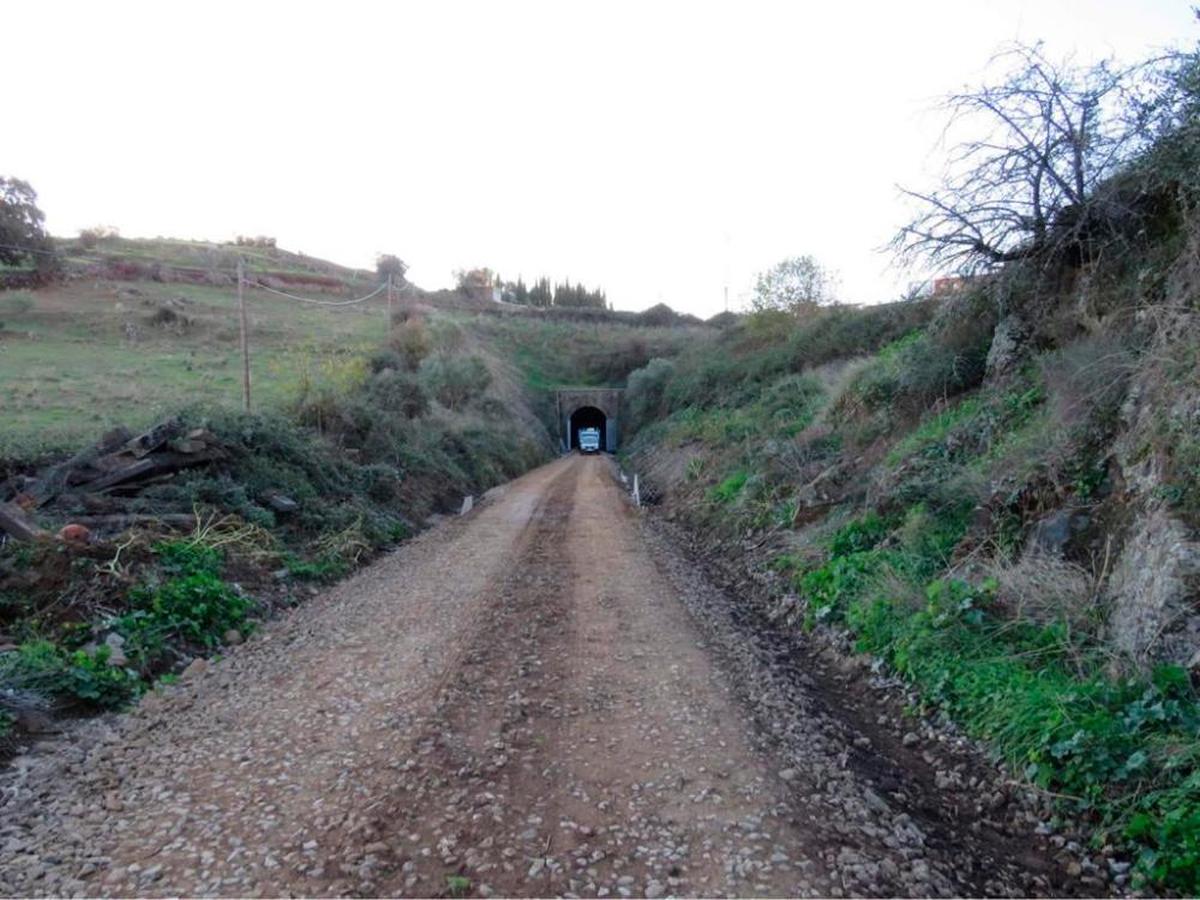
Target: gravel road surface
544,697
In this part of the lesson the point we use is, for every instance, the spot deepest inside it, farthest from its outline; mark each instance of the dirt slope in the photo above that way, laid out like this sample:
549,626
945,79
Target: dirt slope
538,699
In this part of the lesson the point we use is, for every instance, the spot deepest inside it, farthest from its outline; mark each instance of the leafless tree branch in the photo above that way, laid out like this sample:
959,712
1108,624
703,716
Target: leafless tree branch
1037,144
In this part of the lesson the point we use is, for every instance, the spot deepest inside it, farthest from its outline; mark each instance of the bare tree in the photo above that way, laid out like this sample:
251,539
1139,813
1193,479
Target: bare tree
1039,143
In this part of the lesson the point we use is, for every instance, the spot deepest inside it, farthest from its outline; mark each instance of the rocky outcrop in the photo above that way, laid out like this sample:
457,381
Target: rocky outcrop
1153,615
1009,343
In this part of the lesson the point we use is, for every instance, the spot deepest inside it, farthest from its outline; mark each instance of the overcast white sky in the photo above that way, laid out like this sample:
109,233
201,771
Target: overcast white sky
658,149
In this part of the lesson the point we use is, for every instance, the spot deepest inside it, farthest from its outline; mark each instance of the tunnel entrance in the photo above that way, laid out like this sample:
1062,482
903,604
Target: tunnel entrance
577,408
589,417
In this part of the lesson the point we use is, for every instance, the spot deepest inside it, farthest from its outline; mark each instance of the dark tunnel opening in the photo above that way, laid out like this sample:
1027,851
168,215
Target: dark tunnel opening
589,417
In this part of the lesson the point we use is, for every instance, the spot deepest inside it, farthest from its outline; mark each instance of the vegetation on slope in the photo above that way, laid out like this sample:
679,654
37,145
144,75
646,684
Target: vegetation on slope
368,423
991,490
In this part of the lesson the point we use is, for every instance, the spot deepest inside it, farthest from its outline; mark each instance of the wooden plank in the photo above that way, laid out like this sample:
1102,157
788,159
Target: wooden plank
18,525
53,482
158,464
141,467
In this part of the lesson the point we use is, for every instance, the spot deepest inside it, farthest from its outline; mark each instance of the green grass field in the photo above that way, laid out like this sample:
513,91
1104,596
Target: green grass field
85,355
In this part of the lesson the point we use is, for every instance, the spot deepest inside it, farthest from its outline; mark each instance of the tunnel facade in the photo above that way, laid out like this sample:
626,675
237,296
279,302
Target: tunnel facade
589,408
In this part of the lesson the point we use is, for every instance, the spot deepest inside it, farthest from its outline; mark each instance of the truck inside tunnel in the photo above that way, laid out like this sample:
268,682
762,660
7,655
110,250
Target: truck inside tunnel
589,417
578,408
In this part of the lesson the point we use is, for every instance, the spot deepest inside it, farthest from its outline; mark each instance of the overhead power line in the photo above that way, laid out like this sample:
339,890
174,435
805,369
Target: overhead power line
271,290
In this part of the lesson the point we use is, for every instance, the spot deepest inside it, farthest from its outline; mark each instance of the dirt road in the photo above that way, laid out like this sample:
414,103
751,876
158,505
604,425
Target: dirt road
538,699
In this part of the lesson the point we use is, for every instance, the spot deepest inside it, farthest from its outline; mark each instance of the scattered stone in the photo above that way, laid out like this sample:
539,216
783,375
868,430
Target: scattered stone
281,503
195,669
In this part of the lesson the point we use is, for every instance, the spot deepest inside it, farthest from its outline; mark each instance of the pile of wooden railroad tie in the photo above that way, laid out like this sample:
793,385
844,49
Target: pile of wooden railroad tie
87,487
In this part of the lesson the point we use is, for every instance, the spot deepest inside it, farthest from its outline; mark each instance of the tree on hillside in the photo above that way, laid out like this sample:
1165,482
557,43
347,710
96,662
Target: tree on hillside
1034,148
540,294
389,264
23,239
475,279
576,296
793,285
515,292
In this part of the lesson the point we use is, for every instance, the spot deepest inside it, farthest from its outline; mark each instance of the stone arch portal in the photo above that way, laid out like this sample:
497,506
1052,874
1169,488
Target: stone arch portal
589,408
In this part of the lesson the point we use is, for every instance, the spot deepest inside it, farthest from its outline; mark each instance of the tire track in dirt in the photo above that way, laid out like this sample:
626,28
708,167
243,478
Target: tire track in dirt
585,746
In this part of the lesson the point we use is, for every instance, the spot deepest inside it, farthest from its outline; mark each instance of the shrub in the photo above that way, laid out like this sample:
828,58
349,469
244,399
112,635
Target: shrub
730,487
789,404
193,607
260,241
410,341
89,238
858,535
454,381
94,679
36,667
644,393
845,332
383,360
42,669
398,392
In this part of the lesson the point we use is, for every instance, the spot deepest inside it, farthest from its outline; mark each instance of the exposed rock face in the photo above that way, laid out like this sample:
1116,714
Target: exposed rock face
1153,617
1008,346
1052,533
1153,614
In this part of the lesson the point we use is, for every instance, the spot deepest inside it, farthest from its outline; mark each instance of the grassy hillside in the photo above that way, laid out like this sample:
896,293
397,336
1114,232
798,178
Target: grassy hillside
86,354
142,328
1005,514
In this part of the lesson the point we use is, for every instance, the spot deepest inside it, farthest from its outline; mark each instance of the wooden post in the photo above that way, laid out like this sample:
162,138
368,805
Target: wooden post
245,338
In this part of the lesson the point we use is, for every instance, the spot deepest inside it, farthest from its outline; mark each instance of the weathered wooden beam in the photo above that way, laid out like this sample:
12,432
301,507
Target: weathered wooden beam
160,463
137,469
53,482
17,524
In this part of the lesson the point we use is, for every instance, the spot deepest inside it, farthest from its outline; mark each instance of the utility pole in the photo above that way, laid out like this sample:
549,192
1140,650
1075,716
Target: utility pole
245,337
389,318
